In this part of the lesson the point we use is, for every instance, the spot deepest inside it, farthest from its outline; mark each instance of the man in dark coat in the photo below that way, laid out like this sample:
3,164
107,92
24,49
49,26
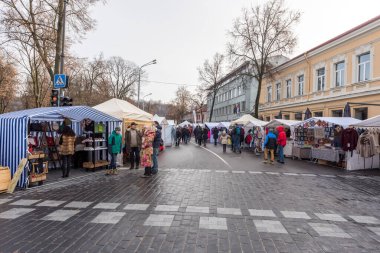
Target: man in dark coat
215,135
205,135
156,147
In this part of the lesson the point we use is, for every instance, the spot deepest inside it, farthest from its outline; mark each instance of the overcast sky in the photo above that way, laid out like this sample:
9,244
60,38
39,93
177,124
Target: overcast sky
181,34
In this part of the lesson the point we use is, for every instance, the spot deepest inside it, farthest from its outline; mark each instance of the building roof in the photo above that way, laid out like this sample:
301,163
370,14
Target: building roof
356,28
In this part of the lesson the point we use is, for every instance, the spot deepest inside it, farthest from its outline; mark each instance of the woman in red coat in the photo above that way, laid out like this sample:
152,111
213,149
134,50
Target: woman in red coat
281,142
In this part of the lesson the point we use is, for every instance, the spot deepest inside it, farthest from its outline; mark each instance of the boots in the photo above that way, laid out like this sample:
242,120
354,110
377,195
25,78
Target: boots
132,165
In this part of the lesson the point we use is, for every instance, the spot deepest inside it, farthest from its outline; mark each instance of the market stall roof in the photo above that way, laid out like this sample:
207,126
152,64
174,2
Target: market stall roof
284,122
75,113
160,120
211,125
123,110
371,122
247,118
342,121
256,123
224,124
185,123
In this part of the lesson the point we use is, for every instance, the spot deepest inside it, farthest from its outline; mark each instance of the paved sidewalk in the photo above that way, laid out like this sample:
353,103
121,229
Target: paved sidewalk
206,207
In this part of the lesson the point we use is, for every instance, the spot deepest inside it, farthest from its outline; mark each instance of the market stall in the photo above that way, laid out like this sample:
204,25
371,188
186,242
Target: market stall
289,130
323,138
210,126
367,153
185,123
33,134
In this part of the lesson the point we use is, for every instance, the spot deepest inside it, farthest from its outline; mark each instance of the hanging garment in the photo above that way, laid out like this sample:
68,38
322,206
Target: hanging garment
366,145
349,139
319,133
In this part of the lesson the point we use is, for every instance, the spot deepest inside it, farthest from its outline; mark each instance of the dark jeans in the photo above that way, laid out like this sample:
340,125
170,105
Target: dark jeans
216,140
113,161
199,141
135,157
66,164
224,148
155,160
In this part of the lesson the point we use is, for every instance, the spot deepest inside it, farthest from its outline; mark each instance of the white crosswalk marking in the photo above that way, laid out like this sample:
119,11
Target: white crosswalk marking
15,213
108,217
61,215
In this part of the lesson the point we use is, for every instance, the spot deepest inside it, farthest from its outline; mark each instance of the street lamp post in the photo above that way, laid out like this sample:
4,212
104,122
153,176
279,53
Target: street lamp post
138,87
144,100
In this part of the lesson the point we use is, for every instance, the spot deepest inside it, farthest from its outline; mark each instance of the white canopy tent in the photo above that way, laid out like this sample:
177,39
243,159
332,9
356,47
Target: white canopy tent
224,124
282,122
171,122
341,121
245,119
210,126
166,134
185,123
255,123
371,122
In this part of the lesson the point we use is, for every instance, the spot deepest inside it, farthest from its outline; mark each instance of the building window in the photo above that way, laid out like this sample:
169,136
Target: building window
321,78
337,113
278,91
363,67
287,117
268,118
230,94
243,106
361,113
298,116
239,90
318,114
288,88
339,74
269,93
300,85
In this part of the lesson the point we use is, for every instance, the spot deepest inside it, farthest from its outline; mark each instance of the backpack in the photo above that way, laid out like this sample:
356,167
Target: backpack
237,130
248,139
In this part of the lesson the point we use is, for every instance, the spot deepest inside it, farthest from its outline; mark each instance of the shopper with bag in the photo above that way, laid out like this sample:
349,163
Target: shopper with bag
224,140
269,145
67,149
147,150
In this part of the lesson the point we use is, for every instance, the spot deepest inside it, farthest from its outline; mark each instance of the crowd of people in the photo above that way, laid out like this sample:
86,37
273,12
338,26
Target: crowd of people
142,148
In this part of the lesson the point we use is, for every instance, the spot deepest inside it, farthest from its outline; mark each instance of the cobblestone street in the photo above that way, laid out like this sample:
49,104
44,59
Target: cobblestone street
201,201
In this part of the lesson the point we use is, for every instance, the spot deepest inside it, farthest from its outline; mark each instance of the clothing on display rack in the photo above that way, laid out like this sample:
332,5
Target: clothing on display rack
366,145
349,139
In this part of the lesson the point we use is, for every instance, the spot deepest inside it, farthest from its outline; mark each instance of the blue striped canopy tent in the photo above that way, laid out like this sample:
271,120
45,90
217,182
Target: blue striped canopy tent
14,130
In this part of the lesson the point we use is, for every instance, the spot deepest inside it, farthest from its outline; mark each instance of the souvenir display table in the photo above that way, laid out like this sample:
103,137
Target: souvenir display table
301,152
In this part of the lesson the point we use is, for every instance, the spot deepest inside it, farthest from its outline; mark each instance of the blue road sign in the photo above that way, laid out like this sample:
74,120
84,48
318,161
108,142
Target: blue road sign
59,81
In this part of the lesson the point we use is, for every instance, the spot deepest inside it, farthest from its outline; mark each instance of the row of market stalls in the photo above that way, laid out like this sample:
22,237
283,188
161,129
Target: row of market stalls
345,142
33,135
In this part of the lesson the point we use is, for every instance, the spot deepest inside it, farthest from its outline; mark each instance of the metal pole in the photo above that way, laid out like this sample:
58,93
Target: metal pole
63,48
138,89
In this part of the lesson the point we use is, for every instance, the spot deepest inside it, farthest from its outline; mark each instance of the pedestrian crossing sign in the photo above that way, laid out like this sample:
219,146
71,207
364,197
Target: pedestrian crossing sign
59,81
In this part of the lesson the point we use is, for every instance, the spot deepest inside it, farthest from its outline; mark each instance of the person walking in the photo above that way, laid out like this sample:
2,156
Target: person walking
178,136
281,142
174,135
156,147
147,150
67,149
133,140
205,136
198,135
215,135
269,144
236,139
224,141
115,143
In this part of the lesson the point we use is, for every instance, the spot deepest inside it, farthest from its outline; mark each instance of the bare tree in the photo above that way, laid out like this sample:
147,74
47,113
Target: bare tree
210,75
261,33
39,23
181,104
122,76
8,83
199,100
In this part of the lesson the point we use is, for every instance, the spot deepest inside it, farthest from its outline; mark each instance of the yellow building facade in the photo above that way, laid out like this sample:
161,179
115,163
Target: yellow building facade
323,79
